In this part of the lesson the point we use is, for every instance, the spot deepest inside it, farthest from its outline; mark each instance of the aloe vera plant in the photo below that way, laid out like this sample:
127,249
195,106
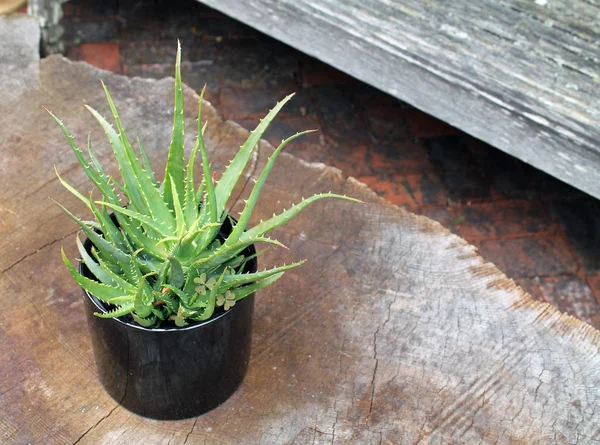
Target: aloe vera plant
163,259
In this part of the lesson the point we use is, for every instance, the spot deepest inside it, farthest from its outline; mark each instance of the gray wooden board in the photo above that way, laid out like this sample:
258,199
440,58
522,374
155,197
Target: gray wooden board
49,14
395,331
519,75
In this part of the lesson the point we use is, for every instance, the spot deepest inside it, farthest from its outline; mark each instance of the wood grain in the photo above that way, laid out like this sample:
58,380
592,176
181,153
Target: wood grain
523,76
395,330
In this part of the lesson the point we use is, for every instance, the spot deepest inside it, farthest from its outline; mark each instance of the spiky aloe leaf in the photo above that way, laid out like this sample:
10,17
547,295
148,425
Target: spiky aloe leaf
142,238
139,187
113,278
109,229
73,190
100,182
93,266
143,321
177,291
244,291
176,274
179,218
235,168
144,219
236,280
190,204
144,187
224,253
146,163
131,188
211,205
174,168
99,290
244,218
100,242
143,299
115,313
277,220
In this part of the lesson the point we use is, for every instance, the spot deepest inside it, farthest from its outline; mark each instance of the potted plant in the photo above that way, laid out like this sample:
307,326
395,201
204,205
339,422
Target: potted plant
168,275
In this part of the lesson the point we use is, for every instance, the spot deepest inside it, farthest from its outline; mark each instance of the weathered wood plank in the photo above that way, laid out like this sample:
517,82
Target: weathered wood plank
395,331
518,75
49,14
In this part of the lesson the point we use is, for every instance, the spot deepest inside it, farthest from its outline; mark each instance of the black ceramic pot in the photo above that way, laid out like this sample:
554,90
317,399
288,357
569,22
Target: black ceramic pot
172,373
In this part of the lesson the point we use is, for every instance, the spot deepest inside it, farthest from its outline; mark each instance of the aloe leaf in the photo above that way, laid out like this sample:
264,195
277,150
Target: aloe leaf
194,231
177,291
253,198
73,190
201,189
189,245
116,278
159,314
249,258
150,245
118,301
146,163
244,291
168,239
143,295
144,321
138,185
140,235
180,318
107,262
108,228
210,204
105,224
235,168
190,204
102,185
283,217
145,220
163,271
144,179
174,170
93,266
134,268
179,217
142,301
171,304
99,290
118,312
235,280
176,275
224,253
96,163
97,240
130,183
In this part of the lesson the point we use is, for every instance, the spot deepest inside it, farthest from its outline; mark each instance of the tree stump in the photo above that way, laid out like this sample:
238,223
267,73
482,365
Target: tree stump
395,330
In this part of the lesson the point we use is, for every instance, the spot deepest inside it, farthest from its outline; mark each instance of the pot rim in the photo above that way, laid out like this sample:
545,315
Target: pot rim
190,327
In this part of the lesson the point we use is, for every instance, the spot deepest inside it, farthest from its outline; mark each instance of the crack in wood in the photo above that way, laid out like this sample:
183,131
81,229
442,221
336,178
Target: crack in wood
37,251
191,430
95,425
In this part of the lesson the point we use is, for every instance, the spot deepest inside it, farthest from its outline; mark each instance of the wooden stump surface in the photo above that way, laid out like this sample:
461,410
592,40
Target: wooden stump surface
395,330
